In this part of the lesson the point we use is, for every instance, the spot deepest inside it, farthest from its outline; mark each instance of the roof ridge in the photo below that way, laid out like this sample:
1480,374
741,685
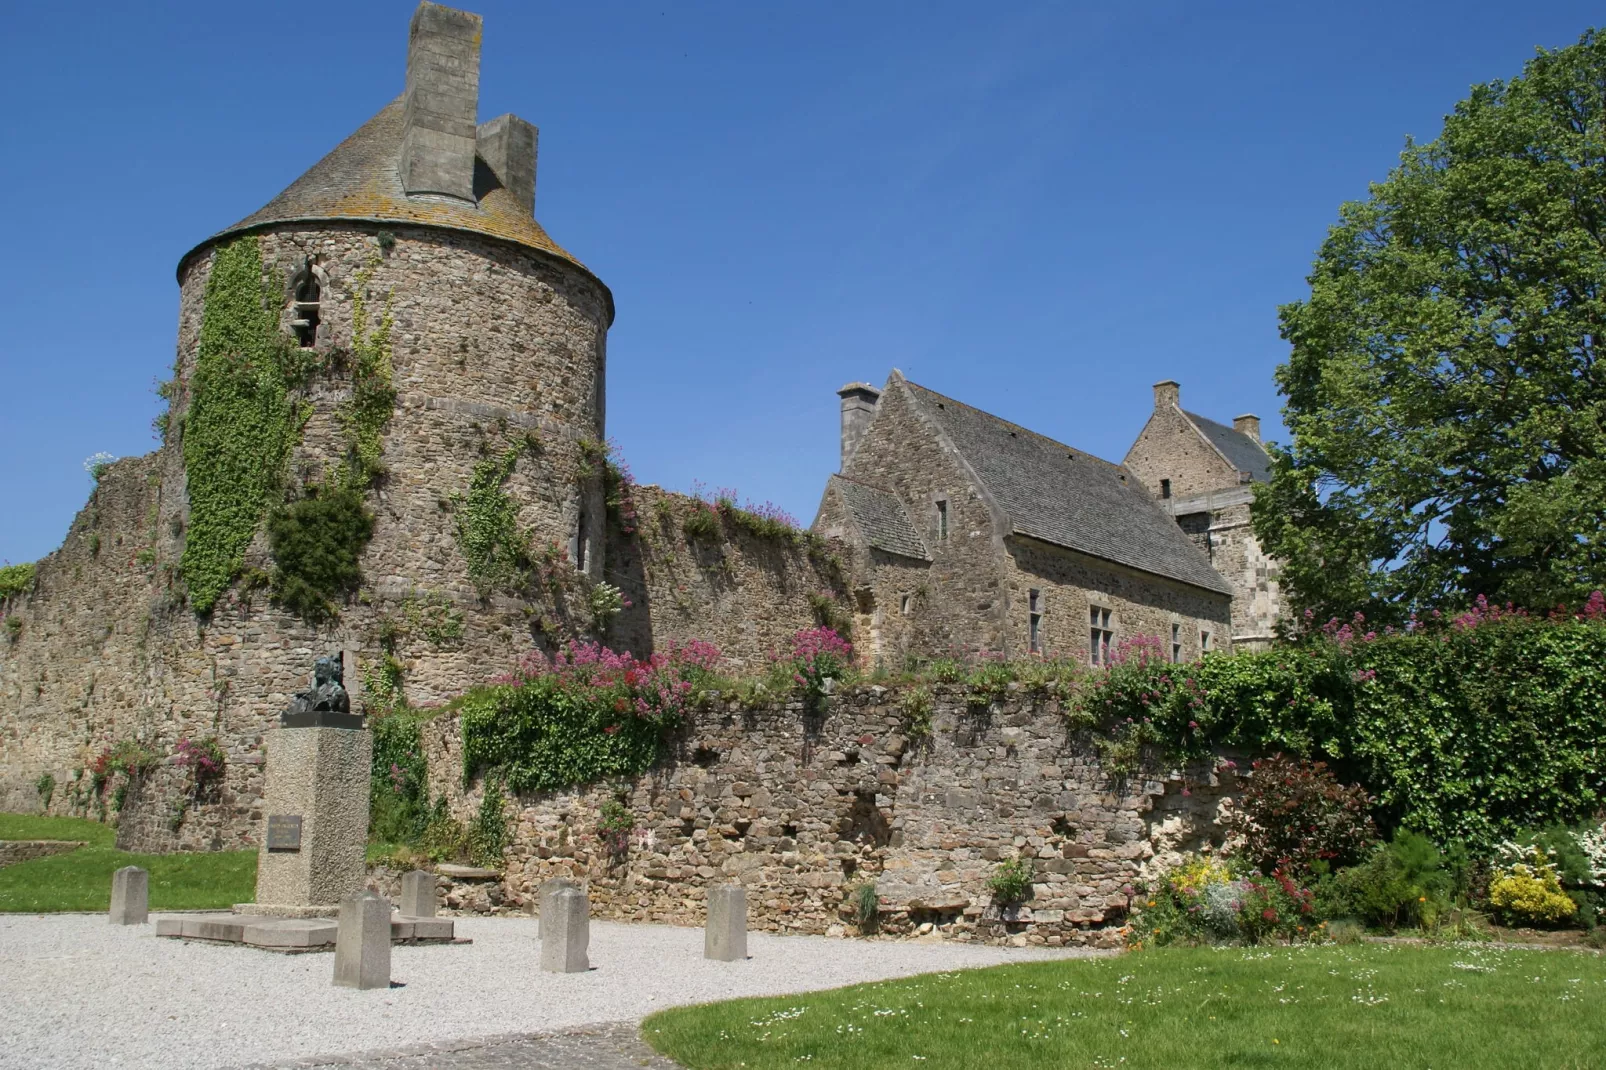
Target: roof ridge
1035,434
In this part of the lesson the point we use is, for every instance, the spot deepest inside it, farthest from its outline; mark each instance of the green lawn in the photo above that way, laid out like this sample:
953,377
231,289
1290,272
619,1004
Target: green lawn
82,879
1359,1006
35,827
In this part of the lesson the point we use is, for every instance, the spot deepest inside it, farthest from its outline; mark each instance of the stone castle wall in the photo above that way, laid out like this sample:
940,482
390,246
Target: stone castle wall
803,808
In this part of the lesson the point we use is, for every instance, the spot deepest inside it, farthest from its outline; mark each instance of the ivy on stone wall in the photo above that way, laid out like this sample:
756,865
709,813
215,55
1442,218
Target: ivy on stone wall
317,541
495,549
240,422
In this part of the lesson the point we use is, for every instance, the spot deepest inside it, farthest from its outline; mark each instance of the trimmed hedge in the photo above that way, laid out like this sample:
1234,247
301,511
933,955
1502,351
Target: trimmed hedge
1466,733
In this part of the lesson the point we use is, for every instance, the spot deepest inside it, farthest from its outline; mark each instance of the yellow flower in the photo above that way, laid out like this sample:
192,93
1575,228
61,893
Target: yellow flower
1151,902
1421,899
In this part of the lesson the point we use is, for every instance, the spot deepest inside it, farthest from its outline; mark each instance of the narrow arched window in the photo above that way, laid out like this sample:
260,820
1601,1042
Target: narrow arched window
307,303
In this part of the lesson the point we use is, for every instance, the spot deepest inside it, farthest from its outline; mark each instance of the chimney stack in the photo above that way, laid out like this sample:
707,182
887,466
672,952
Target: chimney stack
1247,424
507,144
443,89
1167,393
858,407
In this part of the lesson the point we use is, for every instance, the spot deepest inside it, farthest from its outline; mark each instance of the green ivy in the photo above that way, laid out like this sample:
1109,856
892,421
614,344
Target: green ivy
496,550
487,837
240,422
364,417
398,794
15,579
546,735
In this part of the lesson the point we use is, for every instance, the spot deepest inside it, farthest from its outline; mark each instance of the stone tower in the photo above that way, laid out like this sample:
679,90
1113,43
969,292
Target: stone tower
395,337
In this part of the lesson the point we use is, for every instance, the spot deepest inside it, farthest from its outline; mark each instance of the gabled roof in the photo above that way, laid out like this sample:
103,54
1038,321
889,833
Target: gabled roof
1049,491
360,180
1241,451
881,519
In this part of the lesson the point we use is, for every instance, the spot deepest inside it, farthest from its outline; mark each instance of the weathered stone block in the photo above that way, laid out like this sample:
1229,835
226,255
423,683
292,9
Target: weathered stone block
418,894
544,896
130,896
566,932
362,945
725,937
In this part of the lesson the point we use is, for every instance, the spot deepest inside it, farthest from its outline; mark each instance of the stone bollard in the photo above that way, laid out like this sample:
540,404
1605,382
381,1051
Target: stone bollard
418,894
544,894
566,932
130,896
725,939
362,942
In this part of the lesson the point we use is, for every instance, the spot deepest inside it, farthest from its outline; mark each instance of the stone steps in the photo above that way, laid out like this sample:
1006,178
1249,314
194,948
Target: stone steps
295,934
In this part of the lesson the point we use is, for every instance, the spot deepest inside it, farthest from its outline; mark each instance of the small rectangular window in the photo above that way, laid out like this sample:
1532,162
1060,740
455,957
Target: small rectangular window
1100,635
904,604
1204,641
1165,488
942,518
1034,604
1176,643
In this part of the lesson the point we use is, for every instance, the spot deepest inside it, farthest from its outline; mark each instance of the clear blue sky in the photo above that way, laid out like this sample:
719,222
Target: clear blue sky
1037,208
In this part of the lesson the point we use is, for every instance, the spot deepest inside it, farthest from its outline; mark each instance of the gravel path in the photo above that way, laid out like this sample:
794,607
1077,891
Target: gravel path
76,992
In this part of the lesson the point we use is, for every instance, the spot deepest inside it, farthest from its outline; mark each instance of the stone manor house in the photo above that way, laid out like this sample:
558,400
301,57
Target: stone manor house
969,533
415,241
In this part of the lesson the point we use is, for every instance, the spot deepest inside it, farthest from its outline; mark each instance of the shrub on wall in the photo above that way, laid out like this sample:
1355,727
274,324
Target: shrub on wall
317,543
1465,729
15,579
586,714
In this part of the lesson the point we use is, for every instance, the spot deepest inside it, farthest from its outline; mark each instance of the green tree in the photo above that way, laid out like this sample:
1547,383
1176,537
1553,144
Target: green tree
1447,406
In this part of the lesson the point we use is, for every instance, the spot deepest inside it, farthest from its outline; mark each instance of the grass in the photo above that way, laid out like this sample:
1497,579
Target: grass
36,827
1361,1006
82,879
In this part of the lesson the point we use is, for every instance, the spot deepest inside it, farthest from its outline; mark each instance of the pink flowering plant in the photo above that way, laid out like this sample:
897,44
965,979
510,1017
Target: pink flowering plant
582,714
204,758
816,655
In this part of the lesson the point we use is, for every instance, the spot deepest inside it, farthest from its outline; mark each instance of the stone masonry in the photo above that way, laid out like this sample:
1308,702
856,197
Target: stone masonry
801,808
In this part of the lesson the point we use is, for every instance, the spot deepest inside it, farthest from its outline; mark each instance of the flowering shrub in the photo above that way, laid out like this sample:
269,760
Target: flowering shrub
1529,893
1294,814
585,714
1203,901
817,655
615,823
1466,727
204,758
607,602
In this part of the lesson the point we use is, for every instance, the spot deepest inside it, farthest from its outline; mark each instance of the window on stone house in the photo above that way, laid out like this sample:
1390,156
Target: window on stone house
1176,643
1101,635
580,536
905,604
1165,488
1204,641
942,518
305,314
1034,609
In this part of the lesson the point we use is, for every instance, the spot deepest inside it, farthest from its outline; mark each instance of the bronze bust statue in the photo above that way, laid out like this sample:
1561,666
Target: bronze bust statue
326,704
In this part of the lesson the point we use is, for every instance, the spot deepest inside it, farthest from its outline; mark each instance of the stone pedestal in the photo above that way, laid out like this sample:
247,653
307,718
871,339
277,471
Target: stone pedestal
418,894
544,894
316,802
362,944
725,939
566,932
130,896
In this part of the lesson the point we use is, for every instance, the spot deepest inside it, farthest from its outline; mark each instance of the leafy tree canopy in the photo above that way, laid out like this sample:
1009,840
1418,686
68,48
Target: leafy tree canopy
1444,393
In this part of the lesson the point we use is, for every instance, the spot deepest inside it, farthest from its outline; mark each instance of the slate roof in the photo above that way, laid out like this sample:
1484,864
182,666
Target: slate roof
1241,451
1063,496
881,518
360,180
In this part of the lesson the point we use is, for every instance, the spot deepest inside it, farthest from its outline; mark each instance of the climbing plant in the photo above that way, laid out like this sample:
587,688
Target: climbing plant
496,550
239,424
317,540
15,579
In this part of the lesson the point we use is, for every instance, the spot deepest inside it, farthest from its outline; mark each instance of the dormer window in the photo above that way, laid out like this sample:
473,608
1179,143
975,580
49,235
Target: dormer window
307,304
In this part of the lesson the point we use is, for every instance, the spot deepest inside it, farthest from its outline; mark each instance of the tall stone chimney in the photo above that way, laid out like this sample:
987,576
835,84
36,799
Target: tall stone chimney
507,145
1167,393
443,90
858,408
1247,424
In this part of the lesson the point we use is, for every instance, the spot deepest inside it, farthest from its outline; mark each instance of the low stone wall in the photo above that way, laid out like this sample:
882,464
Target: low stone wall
14,851
804,807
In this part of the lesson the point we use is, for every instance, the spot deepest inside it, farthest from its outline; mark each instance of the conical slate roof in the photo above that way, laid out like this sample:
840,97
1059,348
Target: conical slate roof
360,181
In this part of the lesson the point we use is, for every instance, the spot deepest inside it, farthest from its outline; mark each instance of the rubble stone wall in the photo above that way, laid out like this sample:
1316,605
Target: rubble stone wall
805,807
